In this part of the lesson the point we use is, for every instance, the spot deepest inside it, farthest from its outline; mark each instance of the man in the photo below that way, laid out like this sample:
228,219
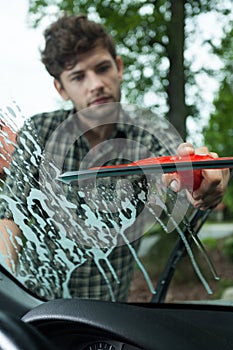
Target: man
68,238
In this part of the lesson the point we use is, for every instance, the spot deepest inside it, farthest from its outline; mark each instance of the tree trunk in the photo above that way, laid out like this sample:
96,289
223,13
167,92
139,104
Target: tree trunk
175,50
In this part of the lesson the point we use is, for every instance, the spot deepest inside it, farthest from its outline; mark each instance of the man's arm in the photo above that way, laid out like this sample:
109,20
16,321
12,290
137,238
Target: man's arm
213,185
9,247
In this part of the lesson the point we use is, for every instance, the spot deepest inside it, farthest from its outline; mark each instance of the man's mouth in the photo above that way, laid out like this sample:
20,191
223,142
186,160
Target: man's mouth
100,100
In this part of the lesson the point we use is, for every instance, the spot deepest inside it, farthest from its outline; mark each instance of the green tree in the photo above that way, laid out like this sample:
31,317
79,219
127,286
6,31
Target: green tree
152,36
218,134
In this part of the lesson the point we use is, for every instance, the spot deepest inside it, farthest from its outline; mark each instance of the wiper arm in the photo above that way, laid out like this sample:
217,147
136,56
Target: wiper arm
196,221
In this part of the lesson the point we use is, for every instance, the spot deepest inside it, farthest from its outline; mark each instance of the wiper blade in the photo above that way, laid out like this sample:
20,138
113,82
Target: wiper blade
167,164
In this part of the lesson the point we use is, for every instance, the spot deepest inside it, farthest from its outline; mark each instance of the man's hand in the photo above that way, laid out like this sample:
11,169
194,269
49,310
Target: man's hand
213,185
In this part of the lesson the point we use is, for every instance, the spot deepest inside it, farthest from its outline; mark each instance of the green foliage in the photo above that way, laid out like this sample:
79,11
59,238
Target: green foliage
210,242
219,132
228,248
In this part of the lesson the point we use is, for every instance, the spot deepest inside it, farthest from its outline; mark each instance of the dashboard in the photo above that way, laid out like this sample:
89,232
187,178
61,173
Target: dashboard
78,324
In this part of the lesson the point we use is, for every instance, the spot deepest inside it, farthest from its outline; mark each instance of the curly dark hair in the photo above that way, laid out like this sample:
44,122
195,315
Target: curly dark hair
70,36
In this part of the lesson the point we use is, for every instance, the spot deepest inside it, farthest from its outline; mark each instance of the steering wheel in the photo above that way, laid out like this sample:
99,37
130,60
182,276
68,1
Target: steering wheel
18,335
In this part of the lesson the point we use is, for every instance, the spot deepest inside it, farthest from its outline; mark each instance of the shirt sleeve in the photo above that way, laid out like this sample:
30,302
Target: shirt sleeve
22,174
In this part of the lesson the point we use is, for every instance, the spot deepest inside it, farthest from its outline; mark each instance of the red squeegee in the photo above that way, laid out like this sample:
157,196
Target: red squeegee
167,164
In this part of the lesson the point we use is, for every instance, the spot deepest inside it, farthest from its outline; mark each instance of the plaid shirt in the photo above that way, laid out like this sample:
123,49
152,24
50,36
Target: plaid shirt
64,253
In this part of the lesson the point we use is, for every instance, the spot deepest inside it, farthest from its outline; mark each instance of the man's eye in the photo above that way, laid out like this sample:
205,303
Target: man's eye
103,69
78,77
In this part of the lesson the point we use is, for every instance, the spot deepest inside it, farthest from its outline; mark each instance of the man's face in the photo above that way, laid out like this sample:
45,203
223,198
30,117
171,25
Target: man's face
95,79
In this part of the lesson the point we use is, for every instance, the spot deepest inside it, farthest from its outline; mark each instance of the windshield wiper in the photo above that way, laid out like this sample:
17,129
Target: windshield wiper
195,223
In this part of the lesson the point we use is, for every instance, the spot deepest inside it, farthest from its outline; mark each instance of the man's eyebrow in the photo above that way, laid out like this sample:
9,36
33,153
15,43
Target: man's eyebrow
102,62
81,71
75,72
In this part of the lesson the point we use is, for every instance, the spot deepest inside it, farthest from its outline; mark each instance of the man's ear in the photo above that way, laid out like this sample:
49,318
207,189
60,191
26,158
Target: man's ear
120,66
60,90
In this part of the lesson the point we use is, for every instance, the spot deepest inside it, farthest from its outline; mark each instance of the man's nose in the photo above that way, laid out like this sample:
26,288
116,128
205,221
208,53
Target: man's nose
94,82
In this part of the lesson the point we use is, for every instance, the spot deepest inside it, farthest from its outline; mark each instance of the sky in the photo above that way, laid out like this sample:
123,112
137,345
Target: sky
24,78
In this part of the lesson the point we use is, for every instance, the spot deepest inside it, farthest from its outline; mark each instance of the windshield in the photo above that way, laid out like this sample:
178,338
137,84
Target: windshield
116,237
